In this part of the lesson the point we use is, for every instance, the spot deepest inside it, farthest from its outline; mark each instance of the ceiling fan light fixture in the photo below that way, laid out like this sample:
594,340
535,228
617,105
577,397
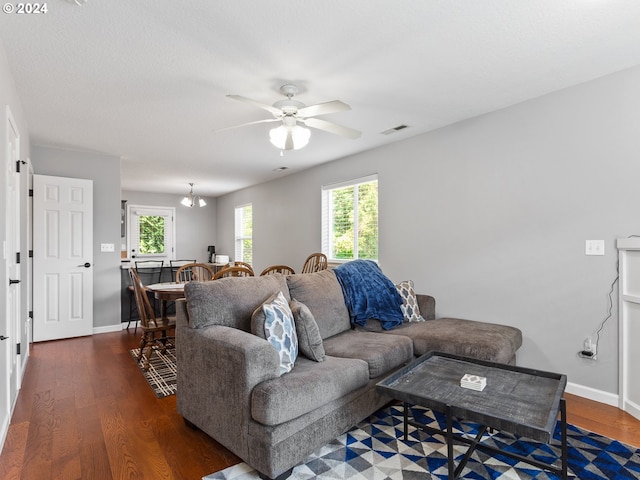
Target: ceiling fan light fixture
286,137
191,200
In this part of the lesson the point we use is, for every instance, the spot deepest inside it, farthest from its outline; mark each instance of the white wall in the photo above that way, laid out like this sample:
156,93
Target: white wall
195,227
491,215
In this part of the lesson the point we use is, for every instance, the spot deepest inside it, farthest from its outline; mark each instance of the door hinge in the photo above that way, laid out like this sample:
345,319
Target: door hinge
31,192
17,166
31,314
18,349
17,257
30,253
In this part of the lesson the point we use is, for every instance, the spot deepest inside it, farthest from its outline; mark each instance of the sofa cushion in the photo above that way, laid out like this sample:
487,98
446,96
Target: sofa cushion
380,353
479,340
309,339
307,387
409,307
322,294
230,301
273,321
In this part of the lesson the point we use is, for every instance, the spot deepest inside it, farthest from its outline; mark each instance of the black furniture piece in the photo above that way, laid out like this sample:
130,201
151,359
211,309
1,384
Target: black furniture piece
521,401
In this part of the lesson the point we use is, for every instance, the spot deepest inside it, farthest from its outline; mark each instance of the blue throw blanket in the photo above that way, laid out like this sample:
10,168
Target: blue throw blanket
368,293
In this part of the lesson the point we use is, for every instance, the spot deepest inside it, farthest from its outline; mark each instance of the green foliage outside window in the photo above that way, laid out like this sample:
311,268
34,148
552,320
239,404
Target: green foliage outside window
246,233
151,234
364,197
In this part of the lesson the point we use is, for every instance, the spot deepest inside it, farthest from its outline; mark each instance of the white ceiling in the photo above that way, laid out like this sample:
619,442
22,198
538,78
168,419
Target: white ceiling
146,80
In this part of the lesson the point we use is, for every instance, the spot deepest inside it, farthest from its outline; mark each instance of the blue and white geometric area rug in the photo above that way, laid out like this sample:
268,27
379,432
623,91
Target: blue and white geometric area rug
375,449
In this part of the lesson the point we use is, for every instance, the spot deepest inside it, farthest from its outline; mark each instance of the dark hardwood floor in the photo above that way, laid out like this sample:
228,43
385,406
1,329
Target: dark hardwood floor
85,411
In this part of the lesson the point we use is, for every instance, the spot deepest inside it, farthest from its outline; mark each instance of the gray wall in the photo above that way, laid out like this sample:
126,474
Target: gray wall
195,227
491,215
104,170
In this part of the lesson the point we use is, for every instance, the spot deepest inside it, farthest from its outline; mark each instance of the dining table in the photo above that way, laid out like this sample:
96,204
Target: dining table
166,292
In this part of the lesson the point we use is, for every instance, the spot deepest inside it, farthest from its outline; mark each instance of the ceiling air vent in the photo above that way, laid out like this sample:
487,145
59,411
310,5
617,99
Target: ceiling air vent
395,129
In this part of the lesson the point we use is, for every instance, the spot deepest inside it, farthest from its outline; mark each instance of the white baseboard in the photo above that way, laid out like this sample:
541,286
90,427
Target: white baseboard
593,394
4,430
109,328
632,408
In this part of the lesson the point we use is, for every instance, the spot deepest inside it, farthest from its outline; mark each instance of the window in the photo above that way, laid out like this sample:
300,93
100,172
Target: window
151,233
350,219
244,233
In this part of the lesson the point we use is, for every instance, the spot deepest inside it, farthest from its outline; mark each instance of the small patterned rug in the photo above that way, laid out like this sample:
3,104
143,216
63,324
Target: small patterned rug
375,449
161,375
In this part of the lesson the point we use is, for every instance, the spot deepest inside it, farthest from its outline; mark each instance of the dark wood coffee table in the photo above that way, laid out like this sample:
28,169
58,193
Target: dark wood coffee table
521,401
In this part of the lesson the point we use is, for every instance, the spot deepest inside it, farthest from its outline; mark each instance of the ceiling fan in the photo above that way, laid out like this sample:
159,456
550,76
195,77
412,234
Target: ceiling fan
291,135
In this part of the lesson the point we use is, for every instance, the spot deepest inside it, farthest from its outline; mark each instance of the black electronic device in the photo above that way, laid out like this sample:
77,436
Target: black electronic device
212,251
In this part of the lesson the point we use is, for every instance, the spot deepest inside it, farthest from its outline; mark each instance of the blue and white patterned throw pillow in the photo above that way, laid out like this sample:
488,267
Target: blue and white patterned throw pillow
280,331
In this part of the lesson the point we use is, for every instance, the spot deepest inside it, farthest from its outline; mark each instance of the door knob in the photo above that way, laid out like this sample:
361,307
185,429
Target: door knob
11,282
85,265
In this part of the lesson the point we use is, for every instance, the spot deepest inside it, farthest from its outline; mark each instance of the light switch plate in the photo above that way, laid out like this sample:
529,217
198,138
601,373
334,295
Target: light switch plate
107,247
594,247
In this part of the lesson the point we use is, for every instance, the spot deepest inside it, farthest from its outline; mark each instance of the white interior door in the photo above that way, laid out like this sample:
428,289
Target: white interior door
10,325
62,257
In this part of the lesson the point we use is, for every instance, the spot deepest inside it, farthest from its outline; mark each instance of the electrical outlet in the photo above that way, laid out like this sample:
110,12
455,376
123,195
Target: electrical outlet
588,345
589,349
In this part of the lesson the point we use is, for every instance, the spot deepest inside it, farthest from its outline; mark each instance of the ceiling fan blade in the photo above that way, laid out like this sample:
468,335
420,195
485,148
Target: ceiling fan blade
323,108
249,123
255,103
331,127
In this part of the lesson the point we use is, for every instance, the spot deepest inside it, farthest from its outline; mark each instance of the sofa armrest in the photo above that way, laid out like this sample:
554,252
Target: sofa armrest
218,367
427,306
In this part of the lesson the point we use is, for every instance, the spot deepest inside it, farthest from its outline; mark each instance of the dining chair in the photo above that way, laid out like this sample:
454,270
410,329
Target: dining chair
284,269
242,264
194,272
233,272
155,333
149,271
315,263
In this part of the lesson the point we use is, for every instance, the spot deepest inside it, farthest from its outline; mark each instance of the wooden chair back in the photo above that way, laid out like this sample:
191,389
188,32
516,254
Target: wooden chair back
315,263
243,264
284,269
145,310
155,332
198,272
234,272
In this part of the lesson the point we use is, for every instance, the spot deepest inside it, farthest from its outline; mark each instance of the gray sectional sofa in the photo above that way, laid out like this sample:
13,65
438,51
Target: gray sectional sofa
229,384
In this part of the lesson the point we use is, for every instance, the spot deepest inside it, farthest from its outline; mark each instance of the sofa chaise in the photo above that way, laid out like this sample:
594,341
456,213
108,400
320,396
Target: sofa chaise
230,383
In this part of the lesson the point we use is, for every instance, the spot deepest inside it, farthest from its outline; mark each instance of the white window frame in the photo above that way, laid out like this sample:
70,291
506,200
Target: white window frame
327,216
239,237
135,211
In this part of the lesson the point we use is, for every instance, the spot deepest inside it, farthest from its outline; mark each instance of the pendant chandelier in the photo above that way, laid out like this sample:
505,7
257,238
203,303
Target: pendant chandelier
192,200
